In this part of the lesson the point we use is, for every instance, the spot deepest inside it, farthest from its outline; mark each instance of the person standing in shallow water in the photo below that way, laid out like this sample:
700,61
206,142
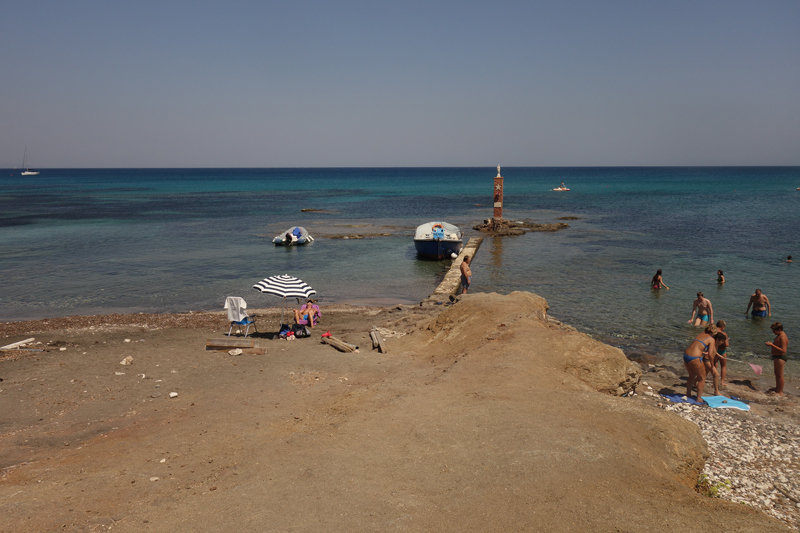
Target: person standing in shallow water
720,277
466,275
779,347
760,303
658,282
702,312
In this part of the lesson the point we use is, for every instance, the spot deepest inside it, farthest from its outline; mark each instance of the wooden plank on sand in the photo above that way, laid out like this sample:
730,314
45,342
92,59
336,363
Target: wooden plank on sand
17,344
339,345
377,340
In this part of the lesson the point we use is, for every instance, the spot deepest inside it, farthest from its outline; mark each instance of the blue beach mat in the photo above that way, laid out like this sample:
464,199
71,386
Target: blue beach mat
721,402
682,398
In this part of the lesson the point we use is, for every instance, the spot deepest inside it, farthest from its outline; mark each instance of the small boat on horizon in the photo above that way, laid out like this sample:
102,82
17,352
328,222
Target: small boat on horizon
437,240
561,187
294,236
27,171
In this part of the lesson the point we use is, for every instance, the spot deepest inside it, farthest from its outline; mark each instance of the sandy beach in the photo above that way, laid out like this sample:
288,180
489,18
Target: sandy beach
484,415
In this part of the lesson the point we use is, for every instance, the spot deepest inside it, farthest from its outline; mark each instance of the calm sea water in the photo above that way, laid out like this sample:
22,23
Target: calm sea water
101,241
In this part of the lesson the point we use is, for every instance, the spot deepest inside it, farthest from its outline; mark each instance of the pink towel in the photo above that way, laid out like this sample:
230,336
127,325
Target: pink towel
317,315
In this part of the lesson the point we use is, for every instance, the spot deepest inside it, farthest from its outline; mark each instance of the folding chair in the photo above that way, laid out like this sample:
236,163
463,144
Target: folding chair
238,316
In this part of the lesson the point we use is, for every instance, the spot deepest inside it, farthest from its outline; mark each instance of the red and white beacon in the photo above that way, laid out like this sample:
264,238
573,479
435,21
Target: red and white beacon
498,195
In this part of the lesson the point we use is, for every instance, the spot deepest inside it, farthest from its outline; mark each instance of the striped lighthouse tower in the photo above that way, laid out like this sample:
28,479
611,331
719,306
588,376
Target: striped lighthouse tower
498,197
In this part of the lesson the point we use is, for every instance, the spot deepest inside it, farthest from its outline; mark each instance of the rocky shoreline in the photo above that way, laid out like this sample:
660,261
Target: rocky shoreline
753,456
752,459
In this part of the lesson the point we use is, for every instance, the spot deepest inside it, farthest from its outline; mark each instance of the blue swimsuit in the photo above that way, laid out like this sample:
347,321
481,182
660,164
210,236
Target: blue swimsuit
689,358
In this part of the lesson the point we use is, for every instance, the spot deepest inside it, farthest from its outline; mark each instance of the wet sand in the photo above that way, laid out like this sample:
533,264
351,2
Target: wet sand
483,416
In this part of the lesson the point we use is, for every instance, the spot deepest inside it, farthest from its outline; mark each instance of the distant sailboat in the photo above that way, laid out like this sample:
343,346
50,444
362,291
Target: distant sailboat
27,171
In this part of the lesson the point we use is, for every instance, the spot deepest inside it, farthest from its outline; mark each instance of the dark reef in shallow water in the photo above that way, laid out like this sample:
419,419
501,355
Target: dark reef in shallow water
502,227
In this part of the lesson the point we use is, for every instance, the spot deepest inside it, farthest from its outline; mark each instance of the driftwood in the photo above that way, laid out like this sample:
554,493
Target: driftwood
248,346
17,344
340,345
377,340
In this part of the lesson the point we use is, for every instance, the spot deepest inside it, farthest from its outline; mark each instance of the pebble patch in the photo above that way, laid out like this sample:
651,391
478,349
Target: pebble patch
759,457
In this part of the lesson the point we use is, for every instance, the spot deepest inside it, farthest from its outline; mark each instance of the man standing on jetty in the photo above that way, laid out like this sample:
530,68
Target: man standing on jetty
466,275
702,312
760,304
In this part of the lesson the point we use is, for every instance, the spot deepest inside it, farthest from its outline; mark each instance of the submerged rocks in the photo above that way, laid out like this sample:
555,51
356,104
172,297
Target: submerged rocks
502,227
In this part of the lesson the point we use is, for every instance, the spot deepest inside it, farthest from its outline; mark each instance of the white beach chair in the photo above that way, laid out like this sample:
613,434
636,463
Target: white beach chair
238,316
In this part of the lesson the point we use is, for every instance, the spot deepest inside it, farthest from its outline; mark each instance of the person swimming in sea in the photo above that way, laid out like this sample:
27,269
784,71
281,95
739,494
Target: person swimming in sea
720,277
702,348
789,259
658,282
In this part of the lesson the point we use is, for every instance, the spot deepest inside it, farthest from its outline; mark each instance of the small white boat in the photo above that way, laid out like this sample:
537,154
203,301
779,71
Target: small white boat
27,171
561,187
438,240
293,236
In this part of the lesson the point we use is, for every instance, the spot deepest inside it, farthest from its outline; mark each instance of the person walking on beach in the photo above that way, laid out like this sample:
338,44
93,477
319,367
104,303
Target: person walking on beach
702,312
779,346
693,360
760,303
720,277
658,282
466,275
723,341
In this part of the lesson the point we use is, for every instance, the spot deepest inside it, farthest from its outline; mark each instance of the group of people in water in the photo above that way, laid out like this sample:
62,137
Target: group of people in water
707,350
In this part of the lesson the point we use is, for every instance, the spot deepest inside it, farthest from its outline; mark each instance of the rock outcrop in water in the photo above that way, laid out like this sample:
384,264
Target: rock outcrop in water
502,227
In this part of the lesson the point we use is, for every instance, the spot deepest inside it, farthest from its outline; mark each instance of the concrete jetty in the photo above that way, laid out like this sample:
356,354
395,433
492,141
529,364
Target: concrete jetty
451,284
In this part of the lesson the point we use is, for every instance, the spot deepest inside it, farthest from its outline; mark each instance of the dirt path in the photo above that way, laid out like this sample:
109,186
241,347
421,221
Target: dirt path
473,422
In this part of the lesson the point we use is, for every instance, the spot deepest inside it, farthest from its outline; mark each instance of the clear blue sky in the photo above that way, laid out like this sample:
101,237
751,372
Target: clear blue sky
399,83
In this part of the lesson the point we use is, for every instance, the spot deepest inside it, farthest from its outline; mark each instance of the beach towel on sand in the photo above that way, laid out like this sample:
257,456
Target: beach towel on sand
715,402
681,398
721,402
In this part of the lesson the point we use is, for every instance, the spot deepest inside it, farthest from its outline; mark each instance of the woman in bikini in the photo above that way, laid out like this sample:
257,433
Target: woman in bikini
658,282
702,347
720,277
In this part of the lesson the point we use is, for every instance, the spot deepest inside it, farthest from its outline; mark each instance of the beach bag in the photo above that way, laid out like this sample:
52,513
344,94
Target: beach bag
300,331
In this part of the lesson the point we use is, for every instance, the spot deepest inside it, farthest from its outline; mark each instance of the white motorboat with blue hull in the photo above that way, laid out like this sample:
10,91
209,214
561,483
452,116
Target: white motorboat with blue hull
438,240
293,236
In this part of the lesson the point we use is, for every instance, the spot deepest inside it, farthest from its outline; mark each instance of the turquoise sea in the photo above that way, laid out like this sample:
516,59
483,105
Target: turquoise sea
159,240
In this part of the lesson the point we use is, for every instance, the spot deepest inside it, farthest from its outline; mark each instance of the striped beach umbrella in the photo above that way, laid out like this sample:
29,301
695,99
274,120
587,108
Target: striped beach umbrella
285,286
